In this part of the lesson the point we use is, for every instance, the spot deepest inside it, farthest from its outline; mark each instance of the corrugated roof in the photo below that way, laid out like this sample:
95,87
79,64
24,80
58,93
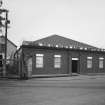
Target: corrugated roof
59,41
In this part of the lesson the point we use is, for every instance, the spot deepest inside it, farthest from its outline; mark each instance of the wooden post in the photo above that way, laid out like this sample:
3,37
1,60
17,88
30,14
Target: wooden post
5,57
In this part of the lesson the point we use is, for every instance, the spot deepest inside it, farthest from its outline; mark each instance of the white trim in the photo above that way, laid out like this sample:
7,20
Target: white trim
57,55
89,57
41,55
101,58
75,58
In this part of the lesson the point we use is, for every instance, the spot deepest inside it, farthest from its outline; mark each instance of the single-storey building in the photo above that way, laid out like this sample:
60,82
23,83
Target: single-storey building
59,55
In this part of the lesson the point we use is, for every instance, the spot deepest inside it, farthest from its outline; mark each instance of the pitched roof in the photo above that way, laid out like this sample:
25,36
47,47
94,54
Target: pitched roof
8,40
59,41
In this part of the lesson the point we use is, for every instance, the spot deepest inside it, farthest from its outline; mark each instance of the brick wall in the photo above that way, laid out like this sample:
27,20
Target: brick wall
95,62
48,61
66,61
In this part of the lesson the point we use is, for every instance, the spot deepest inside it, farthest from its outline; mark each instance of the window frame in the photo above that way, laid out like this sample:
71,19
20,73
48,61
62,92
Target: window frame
89,62
57,61
39,61
101,62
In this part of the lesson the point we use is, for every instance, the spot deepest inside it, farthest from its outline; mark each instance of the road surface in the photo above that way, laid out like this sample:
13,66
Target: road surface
53,91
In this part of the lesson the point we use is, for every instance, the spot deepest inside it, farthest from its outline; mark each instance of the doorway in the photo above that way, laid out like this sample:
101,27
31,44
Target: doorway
74,65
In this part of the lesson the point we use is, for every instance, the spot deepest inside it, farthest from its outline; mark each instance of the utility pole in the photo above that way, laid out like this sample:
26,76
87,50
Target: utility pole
5,26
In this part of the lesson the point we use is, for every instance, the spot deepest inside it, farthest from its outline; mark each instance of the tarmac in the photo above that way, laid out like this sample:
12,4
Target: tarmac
69,90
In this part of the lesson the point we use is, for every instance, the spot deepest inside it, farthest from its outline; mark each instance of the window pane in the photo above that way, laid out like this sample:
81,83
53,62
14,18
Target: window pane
39,61
101,64
89,62
57,61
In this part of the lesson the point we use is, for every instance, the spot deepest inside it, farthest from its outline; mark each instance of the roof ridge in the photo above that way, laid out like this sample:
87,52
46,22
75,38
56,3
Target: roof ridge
68,39
58,40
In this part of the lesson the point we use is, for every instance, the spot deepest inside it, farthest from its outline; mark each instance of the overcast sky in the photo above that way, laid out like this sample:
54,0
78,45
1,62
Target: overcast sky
81,20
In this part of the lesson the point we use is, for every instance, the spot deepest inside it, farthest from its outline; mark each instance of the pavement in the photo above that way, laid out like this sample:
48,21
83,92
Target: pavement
61,78
79,77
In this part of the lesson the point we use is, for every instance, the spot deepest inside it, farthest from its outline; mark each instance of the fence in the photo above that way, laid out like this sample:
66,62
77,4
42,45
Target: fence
12,67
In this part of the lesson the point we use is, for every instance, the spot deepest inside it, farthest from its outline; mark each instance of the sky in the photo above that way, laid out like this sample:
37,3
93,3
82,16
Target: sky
81,20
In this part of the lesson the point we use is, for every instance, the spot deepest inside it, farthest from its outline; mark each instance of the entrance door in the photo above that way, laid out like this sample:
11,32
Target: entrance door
74,65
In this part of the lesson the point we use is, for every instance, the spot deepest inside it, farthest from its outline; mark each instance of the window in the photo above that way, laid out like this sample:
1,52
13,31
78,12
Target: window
101,62
57,61
89,62
39,60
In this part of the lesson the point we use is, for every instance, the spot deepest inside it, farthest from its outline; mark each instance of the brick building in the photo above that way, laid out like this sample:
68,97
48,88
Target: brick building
59,55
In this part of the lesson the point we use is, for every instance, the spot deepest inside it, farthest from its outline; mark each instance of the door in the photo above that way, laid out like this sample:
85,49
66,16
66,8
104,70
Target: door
75,65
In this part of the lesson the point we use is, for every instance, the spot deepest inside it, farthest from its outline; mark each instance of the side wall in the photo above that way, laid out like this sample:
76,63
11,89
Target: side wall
66,64
48,61
95,62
